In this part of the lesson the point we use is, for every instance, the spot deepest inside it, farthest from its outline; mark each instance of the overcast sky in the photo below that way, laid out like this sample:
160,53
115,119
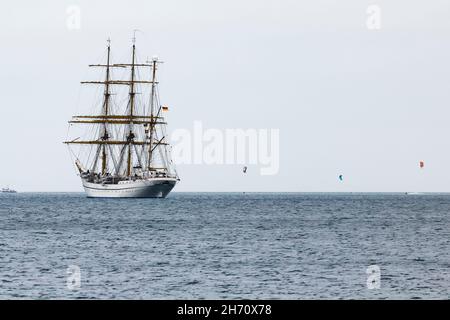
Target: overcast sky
367,104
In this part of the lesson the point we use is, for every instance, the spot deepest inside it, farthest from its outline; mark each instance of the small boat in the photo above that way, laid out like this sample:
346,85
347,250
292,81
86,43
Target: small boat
8,190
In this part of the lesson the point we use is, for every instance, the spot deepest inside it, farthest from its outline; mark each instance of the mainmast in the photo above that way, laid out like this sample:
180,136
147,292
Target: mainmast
130,136
106,111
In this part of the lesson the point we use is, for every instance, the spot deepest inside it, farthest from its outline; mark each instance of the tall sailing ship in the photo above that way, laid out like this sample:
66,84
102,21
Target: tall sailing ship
125,150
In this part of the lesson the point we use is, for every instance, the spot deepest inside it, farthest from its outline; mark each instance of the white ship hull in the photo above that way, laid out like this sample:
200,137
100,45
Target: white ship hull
148,188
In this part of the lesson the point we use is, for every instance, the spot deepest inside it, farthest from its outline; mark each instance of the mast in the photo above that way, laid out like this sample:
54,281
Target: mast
132,94
106,111
152,108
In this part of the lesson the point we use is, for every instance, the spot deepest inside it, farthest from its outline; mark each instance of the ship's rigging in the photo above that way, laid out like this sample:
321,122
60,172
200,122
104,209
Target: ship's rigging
128,142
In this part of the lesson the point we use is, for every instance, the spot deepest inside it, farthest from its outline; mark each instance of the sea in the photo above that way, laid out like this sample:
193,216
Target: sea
225,246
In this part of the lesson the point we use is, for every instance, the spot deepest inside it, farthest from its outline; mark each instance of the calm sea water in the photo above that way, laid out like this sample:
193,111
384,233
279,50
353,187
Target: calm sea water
199,245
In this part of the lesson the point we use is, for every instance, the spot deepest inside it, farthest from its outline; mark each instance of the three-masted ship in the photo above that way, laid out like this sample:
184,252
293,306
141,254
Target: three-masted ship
127,153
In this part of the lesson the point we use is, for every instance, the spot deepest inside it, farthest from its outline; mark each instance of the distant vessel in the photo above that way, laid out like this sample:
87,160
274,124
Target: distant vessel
8,190
128,150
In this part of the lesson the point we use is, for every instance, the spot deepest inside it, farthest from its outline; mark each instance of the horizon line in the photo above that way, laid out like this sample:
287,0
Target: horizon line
402,192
